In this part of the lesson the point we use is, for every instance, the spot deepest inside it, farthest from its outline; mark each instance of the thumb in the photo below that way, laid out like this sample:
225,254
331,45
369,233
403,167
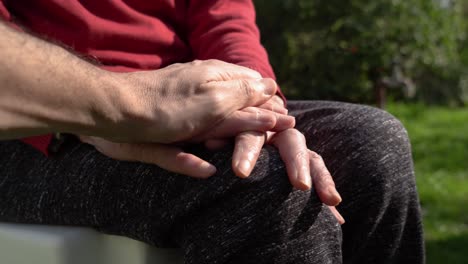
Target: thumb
249,92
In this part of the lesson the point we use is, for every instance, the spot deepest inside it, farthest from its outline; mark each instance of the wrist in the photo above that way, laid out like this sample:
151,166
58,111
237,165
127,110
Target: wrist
109,102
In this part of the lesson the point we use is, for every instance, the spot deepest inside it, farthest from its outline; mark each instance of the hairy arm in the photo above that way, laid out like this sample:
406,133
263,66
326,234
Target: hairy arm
44,88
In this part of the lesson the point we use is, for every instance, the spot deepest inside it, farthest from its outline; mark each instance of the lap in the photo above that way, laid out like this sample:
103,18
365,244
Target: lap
83,187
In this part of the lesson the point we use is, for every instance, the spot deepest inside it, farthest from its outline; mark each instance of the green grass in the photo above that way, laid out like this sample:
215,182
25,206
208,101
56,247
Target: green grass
439,137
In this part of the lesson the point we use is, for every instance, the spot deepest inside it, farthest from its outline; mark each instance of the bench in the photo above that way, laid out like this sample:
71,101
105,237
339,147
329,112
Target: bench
39,244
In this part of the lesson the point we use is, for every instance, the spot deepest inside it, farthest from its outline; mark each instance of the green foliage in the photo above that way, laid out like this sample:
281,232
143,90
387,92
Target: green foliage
333,49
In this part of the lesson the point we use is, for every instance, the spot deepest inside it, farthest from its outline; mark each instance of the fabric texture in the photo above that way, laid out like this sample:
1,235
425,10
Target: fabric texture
131,35
225,219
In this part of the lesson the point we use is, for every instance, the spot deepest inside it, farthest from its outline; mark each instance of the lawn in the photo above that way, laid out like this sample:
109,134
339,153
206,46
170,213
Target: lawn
439,137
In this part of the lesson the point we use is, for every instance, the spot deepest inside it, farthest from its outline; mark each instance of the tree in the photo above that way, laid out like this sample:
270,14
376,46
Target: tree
341,50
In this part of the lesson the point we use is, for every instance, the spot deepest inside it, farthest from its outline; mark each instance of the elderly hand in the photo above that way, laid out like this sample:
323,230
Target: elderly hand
304,167
179,102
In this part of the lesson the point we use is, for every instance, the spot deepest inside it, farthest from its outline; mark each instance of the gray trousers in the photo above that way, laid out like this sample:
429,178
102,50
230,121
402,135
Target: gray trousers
225,219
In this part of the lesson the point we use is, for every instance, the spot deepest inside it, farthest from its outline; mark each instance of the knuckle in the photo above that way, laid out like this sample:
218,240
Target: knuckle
269,120
250,137
292,132
196,62
315,156
217,99
212,62
217,103
278,100
325,176
326,179
246,87
256,74
301,155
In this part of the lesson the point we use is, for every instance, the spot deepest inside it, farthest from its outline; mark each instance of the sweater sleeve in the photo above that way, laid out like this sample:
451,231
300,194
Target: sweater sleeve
41,143
226,30
4,14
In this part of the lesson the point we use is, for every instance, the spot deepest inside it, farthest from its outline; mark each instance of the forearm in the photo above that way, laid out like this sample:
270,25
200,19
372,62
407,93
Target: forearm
44,88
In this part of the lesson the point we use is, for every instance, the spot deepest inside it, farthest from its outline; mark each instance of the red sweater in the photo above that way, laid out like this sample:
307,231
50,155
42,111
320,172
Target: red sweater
130,35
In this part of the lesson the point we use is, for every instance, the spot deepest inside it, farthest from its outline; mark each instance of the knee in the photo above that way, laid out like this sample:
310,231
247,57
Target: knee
283,211
382,138
269,189
374,147
376,128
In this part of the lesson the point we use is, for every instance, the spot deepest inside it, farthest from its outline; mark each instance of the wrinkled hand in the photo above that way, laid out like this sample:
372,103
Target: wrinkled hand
181,101
304,167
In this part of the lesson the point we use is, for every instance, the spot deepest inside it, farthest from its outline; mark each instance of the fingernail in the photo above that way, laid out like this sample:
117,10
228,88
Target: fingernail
208,168
341,220
335,194
304,177
269,86
244,168
292,120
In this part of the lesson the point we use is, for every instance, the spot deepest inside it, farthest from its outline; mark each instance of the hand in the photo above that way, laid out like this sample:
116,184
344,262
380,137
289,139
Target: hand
168,157
303,166
182,101
172,158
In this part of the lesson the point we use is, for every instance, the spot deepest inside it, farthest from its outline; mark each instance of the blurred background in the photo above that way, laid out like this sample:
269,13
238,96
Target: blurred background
409,57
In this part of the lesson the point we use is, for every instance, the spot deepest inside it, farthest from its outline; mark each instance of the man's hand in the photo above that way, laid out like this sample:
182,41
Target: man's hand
168,105
183,101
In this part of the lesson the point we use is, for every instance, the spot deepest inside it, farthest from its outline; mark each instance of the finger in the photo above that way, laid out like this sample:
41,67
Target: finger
85,139
323,181
282,121
97,143
167,157
174,159
246,151
216,144
295,155
278,100
248,119
338,216
246,92
274,107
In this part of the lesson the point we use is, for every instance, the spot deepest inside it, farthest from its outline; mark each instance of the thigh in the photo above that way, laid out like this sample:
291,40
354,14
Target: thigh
368,154
79,186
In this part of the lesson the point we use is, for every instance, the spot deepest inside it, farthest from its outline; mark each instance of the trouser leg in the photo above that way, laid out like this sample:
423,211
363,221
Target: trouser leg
224,219
368,153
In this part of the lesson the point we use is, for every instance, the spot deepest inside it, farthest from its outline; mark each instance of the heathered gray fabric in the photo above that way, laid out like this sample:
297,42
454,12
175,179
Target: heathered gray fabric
225,219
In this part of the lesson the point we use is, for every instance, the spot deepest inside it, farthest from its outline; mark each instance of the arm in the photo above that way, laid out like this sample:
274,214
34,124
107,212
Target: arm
44,88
